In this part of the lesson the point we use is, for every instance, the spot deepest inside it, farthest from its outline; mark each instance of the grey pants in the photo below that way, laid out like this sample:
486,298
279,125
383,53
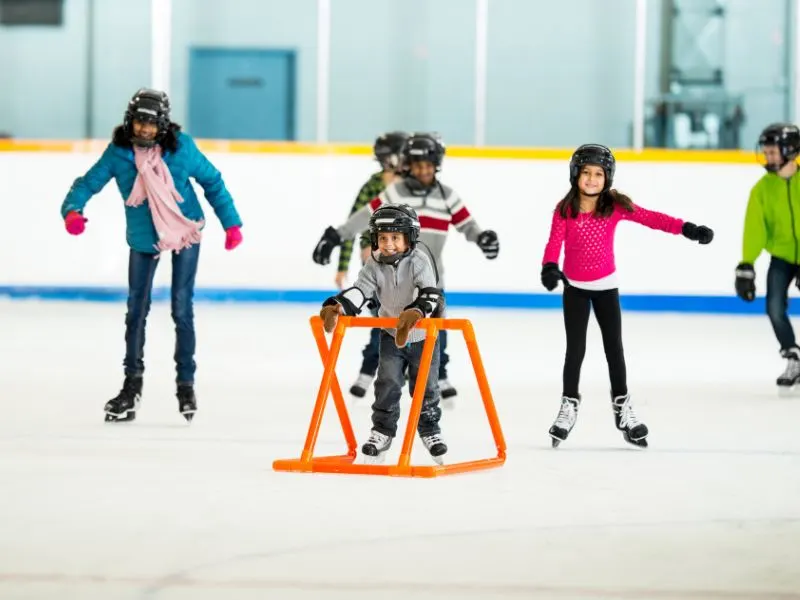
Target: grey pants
389,387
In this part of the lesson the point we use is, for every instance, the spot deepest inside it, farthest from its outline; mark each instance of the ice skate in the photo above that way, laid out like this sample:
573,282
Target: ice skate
360,387
434,443
633,430
446,389
187,401
123,407
374,450
565,420
791,375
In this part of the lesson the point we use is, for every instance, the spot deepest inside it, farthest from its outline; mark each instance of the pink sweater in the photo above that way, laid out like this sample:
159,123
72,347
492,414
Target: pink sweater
589,240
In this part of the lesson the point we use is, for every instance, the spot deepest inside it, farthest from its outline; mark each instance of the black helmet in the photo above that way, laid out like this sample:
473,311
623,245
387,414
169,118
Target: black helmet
427,147
148,106
786,137
388,149
592,154
399,218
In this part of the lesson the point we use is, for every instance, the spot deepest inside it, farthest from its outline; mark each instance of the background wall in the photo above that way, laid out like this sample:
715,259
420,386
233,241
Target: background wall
558,72
287,200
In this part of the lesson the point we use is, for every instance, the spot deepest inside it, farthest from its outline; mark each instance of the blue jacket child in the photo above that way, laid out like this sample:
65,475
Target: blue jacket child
147,123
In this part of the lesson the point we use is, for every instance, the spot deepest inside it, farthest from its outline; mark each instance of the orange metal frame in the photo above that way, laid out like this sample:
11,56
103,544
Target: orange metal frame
308,463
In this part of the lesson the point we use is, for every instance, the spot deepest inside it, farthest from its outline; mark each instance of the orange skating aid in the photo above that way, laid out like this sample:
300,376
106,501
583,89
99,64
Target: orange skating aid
308,463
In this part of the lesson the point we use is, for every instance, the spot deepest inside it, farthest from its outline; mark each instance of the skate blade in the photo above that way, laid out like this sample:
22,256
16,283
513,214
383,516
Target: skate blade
555,441
120,418
375,460
439,460
642,443
188,416
785,391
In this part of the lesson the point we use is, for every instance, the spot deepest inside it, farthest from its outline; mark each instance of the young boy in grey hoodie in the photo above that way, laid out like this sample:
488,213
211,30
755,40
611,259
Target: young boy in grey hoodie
404,280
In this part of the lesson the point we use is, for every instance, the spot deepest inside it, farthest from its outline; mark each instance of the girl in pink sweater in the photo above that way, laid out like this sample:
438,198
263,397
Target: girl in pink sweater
584,222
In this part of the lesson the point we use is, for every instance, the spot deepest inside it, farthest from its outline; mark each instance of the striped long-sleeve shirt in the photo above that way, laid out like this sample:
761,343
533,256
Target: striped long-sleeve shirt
438,207
368,192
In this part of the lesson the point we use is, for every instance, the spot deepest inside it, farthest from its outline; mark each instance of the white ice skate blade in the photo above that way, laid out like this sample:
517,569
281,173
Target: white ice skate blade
785,391
374,460
439,460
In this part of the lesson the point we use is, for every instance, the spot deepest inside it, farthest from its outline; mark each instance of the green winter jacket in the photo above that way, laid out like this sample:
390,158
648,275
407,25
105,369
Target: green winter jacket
772,221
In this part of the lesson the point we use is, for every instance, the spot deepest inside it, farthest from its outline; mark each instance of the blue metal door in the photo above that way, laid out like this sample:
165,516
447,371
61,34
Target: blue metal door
242,94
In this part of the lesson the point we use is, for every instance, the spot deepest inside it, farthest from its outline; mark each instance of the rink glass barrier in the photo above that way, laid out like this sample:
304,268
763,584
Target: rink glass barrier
511,190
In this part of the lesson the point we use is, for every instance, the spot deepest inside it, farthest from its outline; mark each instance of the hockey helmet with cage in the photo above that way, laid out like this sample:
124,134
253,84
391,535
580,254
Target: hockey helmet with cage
425,147
147,106
592,154
786,137
400,218
388,149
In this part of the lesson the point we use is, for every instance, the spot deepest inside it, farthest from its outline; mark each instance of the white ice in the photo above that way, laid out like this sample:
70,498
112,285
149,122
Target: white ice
160,510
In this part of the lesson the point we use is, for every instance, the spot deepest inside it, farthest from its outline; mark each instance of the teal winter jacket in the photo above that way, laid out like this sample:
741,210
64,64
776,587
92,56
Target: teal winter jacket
187,161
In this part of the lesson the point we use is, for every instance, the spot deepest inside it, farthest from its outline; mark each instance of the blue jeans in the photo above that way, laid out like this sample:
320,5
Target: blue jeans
779,277
370,353
389,387
141,271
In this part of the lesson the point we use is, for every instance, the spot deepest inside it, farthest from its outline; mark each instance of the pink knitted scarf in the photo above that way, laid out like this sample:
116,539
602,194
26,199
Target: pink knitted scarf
154,183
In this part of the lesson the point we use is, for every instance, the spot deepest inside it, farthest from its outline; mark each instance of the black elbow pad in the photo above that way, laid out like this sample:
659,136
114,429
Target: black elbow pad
430,301
352,300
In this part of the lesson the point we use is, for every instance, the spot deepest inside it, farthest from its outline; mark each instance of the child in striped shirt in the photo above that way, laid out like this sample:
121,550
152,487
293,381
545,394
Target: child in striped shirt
438,207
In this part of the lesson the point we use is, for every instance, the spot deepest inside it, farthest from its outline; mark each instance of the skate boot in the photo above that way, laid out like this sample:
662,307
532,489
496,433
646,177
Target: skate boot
565,420
187,401
360,387
124,406
633,430
434,443
446,389
791,376
374,450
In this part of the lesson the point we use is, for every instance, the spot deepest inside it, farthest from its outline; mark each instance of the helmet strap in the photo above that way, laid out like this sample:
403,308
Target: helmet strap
393,259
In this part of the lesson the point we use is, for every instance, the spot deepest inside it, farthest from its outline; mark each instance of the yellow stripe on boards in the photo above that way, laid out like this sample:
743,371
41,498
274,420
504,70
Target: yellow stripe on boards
489,152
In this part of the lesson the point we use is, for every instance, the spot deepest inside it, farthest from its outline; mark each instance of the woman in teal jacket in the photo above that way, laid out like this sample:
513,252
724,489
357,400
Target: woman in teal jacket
152,161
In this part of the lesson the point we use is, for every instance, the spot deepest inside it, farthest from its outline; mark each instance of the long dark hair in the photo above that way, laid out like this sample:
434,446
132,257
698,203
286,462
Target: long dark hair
570,205
168,140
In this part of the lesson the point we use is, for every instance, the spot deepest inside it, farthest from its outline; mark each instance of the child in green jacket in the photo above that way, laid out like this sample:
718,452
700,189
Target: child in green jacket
772,223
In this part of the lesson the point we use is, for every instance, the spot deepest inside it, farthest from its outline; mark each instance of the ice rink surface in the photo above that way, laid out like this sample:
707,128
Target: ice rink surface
158,509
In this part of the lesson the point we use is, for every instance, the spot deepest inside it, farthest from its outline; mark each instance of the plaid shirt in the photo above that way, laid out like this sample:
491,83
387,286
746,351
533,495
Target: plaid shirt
369,191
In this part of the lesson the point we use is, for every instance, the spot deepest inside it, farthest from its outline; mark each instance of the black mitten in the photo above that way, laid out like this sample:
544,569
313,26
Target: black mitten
487,241
551,275
746,282
322,251
698,233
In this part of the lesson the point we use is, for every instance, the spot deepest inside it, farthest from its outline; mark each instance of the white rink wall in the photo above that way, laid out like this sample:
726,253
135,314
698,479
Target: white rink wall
287,200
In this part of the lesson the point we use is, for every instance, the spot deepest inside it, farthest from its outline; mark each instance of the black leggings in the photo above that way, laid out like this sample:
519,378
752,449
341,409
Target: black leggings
576,320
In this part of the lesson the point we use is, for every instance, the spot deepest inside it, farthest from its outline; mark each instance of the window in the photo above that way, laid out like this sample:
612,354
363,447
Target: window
32,12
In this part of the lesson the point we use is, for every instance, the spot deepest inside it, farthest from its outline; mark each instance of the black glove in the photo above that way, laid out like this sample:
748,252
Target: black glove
329,240
551,275
487,241
745,282
698,233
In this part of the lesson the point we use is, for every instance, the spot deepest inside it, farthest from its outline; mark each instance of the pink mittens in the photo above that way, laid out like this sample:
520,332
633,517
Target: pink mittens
75,222
233,237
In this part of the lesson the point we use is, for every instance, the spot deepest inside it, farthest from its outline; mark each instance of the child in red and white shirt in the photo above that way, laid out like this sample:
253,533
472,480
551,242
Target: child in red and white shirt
585,221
